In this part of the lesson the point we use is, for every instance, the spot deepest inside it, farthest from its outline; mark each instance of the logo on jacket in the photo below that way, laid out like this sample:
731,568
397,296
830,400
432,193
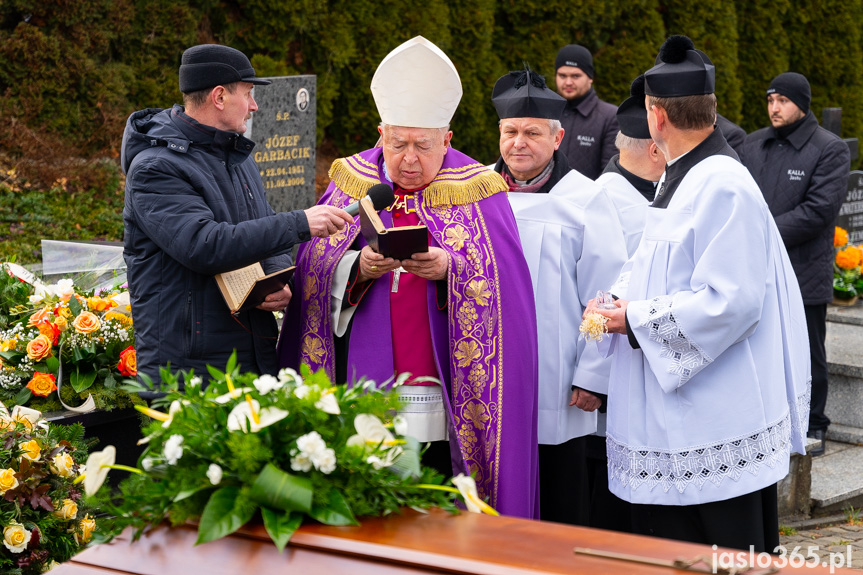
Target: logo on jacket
796,175
585,140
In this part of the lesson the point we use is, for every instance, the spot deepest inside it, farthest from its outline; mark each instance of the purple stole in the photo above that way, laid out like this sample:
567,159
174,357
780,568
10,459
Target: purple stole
485,342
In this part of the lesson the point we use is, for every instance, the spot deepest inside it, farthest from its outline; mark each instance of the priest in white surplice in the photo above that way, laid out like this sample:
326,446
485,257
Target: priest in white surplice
708,392
574,246
631,176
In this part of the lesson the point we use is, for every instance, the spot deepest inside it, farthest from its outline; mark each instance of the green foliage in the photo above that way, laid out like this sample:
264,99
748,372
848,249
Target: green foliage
825,46
712,25
764,50
293,447
72,72
90,208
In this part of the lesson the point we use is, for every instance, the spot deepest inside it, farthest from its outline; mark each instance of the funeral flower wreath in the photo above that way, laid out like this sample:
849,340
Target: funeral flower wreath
290,447
55,333
43,517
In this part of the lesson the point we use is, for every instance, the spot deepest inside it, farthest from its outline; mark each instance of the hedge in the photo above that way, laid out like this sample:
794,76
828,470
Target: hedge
71,71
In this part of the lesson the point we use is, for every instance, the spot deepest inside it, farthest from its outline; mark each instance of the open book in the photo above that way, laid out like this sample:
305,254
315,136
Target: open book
247,287
398,243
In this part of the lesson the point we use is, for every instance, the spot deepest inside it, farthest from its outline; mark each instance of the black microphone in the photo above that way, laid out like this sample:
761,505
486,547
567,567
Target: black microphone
381,195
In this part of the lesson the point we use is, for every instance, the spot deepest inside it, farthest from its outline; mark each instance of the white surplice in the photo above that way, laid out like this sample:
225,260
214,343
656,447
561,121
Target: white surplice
717,396
574,246
631,207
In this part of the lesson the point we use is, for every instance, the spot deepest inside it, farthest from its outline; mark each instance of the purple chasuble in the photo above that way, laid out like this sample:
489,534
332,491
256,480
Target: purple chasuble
485,342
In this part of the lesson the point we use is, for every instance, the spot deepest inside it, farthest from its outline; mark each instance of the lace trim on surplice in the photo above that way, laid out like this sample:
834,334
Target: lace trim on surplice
637,467
687,358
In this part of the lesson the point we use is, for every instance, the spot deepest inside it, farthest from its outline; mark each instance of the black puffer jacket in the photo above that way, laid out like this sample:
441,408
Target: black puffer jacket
195,207
804,179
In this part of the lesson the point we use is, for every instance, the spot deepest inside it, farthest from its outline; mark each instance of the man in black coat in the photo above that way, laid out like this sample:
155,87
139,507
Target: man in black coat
802,170
590,125
195,207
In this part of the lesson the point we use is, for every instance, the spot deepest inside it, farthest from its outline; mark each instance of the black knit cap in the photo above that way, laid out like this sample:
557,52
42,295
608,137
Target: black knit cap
523,94
793,86
632,114
577,56
210,65
680,70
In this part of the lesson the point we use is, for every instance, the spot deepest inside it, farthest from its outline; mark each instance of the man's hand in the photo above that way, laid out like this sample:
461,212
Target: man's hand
324,221
584,400
373,265
432,265
616,317
277,301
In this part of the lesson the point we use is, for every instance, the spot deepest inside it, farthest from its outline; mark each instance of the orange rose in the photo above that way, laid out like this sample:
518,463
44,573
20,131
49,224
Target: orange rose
128,365
42,384
840,237
49,330
86,322
39,316
39,348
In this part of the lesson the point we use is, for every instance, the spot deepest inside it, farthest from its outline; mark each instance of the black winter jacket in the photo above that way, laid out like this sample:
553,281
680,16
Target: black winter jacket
590,129
195,207
804,179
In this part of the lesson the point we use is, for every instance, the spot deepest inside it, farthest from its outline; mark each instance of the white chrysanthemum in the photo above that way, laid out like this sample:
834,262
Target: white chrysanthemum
214,474
325,460
311,443
174,449
195,381
301,462
266,383
147,463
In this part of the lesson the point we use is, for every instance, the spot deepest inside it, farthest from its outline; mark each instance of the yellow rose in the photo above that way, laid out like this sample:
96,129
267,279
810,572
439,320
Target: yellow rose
87,526
30,450
86,322
7,480
68,511
99,304
15,537
63,465
8,344
63,311
61,322
39,348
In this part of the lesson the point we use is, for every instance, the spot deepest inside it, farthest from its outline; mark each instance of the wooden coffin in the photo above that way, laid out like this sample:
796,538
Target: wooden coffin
411,543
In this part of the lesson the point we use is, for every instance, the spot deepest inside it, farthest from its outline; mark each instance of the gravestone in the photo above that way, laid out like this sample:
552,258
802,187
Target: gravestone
283,130
851,213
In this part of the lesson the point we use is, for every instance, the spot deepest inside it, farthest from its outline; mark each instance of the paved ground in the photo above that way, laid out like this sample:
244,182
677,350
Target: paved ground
832,544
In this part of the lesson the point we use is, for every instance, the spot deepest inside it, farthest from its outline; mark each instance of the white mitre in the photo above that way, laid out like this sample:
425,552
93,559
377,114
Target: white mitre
416,86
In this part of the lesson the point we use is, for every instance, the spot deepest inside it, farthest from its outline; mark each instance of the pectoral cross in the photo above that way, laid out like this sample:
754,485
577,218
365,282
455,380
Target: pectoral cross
396,273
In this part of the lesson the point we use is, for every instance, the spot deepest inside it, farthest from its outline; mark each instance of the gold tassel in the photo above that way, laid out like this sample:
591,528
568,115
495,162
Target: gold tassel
458,193
349,181
442,191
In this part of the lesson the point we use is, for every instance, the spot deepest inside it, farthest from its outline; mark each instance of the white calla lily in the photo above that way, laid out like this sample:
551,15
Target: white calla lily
328,403
97,468
236,394
400,425
288,375
267,383
370,430
248,416
467,487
